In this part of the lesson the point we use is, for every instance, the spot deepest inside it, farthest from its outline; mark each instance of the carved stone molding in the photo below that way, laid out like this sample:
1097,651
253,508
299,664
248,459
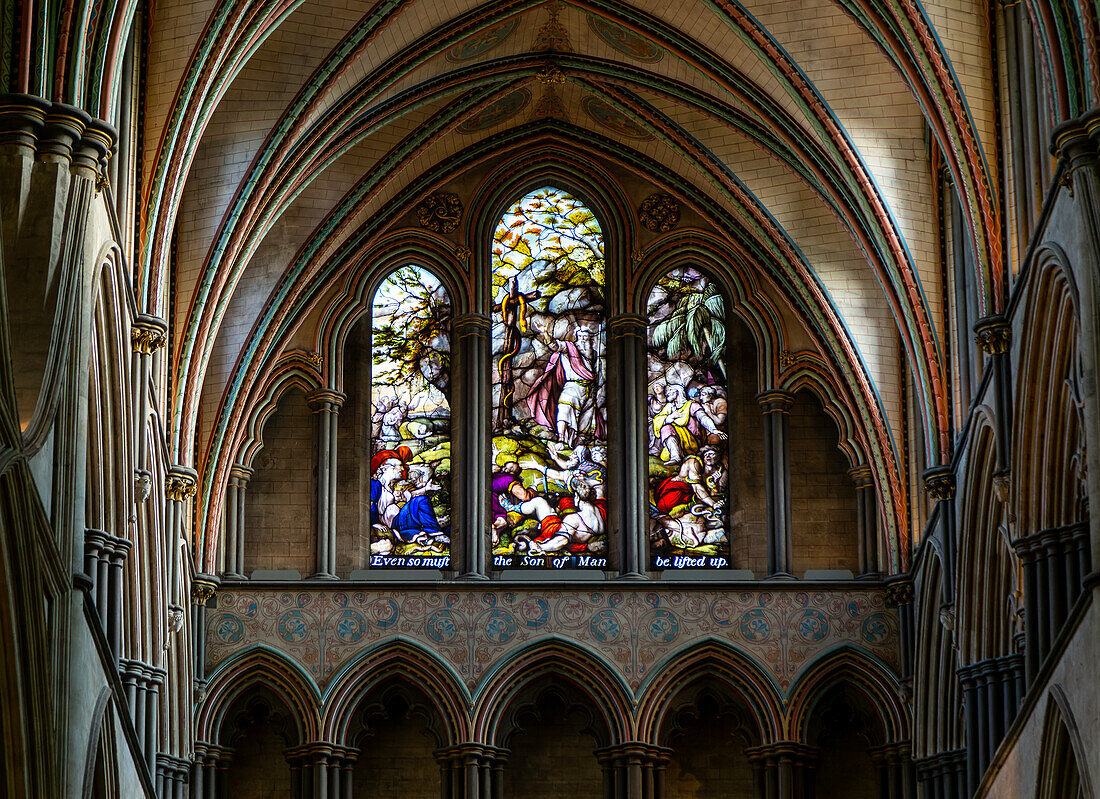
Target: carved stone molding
440,212
143,485
659,213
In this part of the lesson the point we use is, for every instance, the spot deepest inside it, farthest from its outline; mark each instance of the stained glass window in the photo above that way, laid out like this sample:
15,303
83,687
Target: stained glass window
410,465
688,442
549,411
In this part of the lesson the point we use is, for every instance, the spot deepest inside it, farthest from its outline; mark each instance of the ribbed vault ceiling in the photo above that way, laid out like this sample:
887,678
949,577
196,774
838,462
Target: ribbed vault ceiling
802,132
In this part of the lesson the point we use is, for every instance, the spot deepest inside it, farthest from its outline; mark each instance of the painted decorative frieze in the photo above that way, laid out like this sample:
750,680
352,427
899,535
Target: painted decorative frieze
634,631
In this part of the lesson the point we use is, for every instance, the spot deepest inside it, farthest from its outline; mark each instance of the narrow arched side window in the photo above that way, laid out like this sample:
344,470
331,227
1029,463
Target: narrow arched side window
688,442
549,420
410,464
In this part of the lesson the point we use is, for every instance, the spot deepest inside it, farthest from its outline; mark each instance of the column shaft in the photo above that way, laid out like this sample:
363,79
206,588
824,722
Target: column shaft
472,445
777,466
1019,172
630,438
234,521
326,407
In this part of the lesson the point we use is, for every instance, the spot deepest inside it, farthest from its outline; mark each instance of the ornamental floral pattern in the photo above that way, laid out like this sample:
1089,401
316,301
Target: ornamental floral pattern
474,631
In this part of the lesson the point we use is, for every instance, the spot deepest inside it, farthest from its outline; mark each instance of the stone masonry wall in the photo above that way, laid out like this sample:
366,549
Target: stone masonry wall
823,499
280,503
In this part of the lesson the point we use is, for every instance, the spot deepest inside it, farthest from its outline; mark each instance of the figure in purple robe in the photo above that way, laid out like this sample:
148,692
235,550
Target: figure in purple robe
563,397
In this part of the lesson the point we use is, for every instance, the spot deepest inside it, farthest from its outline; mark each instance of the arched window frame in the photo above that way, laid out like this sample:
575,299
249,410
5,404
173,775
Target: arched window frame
602,194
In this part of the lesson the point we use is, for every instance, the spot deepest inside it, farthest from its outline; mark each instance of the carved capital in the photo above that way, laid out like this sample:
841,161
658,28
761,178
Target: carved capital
775,401
783,751
993,334
325,400
472,753
315,359
1077,142
203,588
471,324
899,593
181,484
148,334
627,326
862,476
57,133
240,474
634,752
939,482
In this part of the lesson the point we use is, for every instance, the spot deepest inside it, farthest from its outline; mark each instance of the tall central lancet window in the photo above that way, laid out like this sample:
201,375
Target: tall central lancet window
410,463
688,442
549,424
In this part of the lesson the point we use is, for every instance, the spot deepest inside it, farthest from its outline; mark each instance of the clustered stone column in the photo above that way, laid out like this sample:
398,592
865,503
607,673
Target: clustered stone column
992,692
141,684
147,335
326,406
470,434
783,770
208,771
234,521
943,776
628,349
895,770
104,555
172,777
1022,215
202,591
633,770
899,594
1055,564
994,336
321,770
939,481
472,771
866,520
777,480
179,489
1077,146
